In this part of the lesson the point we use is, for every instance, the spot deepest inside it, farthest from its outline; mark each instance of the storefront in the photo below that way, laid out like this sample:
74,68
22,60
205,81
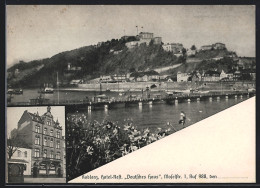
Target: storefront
48,167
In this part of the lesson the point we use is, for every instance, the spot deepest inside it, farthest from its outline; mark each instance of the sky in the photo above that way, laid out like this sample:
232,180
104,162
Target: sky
41,31
58,112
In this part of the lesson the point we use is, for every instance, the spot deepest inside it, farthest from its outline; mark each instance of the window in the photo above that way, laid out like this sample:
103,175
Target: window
51,155
45,141
19,153
25,154
45,131
45,153
37,128
58,145
58,134
37,153
58,155
48,123
37,140
51,132
51,143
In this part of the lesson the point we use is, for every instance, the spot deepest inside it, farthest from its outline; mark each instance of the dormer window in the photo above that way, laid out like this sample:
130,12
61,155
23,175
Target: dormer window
48,122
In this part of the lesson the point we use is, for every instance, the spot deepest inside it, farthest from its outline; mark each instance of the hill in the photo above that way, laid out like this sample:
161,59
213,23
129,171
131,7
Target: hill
106,58
225,64
109,58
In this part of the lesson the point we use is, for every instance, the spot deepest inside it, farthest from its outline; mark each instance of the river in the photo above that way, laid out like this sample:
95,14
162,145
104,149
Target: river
158,115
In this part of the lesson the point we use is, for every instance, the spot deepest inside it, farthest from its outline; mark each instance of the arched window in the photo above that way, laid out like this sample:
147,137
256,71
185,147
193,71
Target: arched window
51,143
51,132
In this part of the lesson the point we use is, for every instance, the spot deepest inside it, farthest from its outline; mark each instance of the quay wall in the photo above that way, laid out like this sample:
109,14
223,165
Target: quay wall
169,85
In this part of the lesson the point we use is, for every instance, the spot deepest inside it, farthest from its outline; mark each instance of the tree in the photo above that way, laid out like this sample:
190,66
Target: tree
193,47
183,51
14,142
132,69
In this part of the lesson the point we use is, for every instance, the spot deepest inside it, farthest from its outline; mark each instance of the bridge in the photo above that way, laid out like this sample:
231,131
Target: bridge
107,103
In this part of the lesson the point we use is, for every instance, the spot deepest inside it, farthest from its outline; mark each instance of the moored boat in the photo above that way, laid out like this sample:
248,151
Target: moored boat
46,90
15,91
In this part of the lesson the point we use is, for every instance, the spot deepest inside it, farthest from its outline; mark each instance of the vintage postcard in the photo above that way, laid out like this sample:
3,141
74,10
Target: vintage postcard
151,93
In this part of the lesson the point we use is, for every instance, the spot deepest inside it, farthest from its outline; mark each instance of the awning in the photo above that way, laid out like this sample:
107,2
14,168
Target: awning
17,161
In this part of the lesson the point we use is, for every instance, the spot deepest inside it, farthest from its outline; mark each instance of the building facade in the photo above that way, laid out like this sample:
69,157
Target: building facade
183,77
157,40
44,137
145,35
219,46
206,47
23,156
211,76
175,48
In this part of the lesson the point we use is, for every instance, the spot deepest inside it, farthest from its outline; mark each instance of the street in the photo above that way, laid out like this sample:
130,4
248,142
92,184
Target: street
44,180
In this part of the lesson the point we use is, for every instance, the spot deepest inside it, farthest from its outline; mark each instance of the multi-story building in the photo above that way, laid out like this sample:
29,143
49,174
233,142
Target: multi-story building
175,48
157,40
144,37
43,136
119,77
219,46
183,77
206,47
211,76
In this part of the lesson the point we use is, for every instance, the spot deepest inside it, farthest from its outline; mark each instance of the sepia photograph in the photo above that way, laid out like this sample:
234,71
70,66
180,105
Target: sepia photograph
36,150
129,76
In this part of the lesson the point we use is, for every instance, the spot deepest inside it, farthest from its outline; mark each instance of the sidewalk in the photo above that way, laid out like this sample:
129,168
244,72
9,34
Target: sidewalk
44,180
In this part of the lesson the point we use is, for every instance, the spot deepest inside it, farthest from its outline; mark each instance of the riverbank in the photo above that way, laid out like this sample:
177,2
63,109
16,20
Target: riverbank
163,86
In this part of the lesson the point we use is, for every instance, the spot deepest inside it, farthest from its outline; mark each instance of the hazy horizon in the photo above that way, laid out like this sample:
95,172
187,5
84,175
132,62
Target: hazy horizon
38,32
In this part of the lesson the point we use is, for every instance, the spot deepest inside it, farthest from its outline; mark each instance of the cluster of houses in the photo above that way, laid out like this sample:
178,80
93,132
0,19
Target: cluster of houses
214,76
216,46
176,48
141,77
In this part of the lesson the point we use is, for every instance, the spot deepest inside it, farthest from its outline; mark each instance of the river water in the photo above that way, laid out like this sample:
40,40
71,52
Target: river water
160,115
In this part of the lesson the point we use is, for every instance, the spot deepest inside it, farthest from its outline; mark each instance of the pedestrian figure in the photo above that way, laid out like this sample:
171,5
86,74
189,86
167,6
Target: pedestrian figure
59,171
35,170
182,118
